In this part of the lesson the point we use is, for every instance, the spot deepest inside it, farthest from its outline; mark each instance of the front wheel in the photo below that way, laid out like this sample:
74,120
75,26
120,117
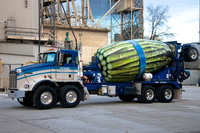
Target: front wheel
148,94
45,97
69,96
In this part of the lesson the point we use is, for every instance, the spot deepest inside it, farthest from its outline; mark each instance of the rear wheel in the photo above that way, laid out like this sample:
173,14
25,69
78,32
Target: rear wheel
127,98
148,94
25,101
69,96
165,93
45,97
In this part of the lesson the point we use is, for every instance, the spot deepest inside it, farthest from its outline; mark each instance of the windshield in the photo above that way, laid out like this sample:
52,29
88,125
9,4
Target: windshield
48,57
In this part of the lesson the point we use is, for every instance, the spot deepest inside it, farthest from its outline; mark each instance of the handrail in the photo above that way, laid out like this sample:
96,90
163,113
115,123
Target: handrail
24,32
33,62
20,28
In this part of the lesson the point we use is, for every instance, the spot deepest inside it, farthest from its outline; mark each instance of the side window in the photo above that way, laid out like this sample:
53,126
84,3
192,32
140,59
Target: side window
67,59
76,60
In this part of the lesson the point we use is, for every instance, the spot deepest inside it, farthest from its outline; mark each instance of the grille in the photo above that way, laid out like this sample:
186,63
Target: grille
13,80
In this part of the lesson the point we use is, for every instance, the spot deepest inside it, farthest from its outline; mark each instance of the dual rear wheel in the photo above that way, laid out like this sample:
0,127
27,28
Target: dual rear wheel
69,96
164,93
148,94
45,97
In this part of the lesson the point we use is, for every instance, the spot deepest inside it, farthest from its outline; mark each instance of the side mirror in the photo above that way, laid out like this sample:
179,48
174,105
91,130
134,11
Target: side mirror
40,58
61,59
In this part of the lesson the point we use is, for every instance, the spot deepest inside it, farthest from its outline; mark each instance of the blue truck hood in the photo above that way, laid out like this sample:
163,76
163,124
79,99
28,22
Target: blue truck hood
33,68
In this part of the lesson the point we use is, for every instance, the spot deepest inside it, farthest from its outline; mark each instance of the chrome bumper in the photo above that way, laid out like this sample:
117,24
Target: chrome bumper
16,94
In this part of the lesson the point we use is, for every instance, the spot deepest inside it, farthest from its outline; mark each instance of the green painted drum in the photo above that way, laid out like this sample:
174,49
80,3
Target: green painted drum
127,60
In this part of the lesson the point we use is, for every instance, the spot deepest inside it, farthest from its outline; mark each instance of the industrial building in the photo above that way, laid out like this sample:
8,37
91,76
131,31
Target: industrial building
29,27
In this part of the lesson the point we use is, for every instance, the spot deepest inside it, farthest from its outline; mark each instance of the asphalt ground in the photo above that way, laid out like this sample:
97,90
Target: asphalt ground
105,115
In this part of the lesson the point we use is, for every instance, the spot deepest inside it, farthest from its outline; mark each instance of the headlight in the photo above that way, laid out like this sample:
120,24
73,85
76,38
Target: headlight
26,86
19,70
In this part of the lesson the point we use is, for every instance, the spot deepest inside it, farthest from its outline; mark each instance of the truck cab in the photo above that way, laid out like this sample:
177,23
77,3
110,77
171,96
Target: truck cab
65,64
57,76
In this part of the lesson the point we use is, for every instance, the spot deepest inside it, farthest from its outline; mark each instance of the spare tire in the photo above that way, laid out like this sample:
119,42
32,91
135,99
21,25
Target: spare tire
191,54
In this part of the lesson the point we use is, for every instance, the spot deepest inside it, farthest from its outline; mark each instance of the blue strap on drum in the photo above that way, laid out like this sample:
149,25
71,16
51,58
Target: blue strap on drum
141,57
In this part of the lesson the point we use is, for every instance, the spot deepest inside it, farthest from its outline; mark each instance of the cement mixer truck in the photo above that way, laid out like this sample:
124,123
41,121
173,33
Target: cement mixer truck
143,69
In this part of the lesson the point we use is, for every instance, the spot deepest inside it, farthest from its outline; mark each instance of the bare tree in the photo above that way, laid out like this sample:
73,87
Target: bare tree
157,18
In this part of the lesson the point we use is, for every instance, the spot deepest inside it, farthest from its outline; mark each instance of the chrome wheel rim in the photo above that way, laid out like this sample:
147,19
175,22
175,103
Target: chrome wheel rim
71,96
193,54
149,94
46,98
168,94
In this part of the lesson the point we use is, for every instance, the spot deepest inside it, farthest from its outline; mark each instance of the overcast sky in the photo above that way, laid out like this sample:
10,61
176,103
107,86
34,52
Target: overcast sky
184,20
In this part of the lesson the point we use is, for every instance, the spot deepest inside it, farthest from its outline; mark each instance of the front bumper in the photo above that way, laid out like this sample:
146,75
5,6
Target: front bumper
16,94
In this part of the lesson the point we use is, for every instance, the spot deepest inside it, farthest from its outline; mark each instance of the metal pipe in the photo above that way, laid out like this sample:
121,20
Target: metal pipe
83,13
111,25
51,19
121,27
142,18
88,8
132,19
54,21
74,8
68,10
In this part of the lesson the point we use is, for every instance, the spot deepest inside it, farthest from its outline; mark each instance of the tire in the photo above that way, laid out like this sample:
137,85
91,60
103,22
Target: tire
45,97
28,102
191,54
148,94
165,93
158,94
127,98
69,96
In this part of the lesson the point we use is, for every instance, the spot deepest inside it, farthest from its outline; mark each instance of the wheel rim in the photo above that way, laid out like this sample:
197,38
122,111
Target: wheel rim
168,94
193,54
71,96
46,98
149,94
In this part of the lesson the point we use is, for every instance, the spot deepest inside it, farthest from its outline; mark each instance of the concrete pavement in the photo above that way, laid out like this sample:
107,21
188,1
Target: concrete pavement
105,115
